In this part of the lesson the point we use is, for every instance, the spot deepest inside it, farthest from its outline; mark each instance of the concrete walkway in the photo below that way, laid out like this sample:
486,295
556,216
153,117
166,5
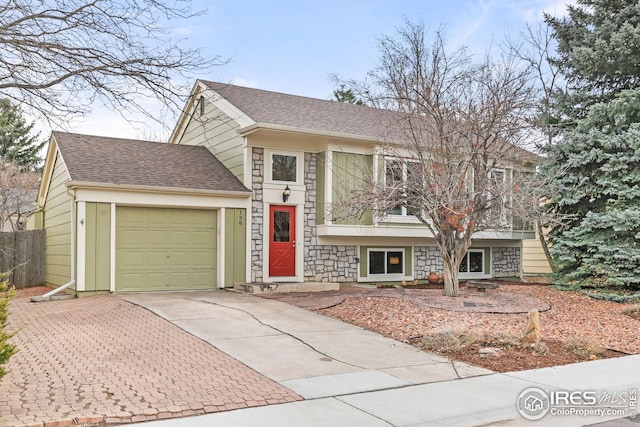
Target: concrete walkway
350,376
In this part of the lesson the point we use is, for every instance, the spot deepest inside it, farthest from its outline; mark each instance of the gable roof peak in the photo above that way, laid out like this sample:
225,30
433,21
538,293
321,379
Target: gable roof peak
122,161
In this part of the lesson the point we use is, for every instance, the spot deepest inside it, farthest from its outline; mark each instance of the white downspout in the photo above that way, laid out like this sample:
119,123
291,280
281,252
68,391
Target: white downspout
48,295
56,290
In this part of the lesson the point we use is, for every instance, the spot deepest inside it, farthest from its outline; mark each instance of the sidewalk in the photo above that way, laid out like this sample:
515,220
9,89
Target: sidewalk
350,376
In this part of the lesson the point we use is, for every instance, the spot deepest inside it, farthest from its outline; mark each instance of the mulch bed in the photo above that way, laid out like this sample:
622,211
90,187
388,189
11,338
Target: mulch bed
409,314
518,359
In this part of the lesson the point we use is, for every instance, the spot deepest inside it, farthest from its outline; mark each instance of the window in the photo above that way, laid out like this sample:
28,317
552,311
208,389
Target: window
473,262
496,196
404,179
386,261
281,226
284,168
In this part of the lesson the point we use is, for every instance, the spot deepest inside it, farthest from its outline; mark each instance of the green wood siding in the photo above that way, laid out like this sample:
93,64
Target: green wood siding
235,246
165,248
98,243
349,173
218,133
57,222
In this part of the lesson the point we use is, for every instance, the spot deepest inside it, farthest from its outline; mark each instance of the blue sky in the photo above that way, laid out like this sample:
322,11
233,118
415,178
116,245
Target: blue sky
293,46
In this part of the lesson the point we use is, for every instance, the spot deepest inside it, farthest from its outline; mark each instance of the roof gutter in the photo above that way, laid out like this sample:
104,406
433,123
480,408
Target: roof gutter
280,128
74,185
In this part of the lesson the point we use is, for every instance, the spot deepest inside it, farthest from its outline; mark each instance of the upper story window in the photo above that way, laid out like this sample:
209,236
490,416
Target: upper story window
284,167
403,177
496,195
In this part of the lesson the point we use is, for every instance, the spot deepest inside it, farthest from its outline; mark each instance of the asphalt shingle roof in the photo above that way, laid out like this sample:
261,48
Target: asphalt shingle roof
305,113
319,115
120,161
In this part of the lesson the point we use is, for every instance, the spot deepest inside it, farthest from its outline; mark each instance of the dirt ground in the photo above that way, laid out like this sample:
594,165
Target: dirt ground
574,327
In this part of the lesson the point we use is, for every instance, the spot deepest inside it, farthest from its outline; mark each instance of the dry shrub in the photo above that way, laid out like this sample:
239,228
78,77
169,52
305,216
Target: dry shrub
583,346
633,311
501,340
450,340
540,349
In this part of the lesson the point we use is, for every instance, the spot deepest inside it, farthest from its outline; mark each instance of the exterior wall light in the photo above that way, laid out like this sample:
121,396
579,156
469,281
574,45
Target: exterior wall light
285,194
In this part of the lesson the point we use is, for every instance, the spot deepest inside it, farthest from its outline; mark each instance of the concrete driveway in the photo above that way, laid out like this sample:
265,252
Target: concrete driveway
312,355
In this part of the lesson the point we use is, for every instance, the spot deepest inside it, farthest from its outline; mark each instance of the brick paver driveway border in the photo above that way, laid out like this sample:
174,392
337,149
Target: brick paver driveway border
104,359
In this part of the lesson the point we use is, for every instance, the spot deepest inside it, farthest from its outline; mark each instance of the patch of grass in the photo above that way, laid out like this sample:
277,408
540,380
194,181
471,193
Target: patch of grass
450,340
583,347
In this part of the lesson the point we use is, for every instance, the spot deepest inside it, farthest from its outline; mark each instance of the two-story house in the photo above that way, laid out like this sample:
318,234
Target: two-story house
298,155
243,193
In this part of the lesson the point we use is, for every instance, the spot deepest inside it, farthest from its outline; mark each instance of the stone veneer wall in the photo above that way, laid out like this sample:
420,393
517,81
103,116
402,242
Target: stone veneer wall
323,263
506,262
257,218
337,263
426,259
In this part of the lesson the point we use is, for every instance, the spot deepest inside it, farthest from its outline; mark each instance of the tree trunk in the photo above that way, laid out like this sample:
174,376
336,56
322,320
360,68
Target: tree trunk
451,284
545,246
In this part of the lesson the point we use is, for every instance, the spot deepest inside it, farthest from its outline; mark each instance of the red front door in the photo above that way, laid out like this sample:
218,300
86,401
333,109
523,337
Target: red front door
282,241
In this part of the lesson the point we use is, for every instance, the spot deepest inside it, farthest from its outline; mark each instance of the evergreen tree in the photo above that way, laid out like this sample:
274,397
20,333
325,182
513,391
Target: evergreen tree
18,143
597,188
598,53
346,95
595,158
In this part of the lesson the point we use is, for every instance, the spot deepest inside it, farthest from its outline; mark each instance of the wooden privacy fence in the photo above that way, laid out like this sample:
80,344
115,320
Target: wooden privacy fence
22,254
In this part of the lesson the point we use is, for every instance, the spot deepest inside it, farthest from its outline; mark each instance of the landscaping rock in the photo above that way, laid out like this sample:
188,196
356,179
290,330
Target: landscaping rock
490,352
532,331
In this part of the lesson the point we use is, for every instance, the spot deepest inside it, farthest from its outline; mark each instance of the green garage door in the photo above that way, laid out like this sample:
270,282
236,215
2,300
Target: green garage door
165,249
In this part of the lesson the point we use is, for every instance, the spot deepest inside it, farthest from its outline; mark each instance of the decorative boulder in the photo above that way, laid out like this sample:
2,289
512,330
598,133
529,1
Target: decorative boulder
532,332
490,353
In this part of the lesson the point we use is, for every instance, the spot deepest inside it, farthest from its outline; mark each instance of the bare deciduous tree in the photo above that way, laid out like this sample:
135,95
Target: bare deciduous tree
534,49
462,168
57,58
18,190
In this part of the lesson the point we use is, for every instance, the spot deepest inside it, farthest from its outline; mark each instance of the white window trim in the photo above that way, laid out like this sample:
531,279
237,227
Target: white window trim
474,273
403,216
392,276
268,165
503,210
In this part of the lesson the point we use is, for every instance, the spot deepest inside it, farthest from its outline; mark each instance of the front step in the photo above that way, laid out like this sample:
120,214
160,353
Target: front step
279,288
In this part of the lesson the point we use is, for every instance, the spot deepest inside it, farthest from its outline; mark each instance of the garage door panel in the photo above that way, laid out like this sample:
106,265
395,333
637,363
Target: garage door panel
156,259
181,217
202,277
154,280
155,216
200,259
132,258
202,237
180,259
179,237
178,278
158,248
154,237
128,236
202,219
